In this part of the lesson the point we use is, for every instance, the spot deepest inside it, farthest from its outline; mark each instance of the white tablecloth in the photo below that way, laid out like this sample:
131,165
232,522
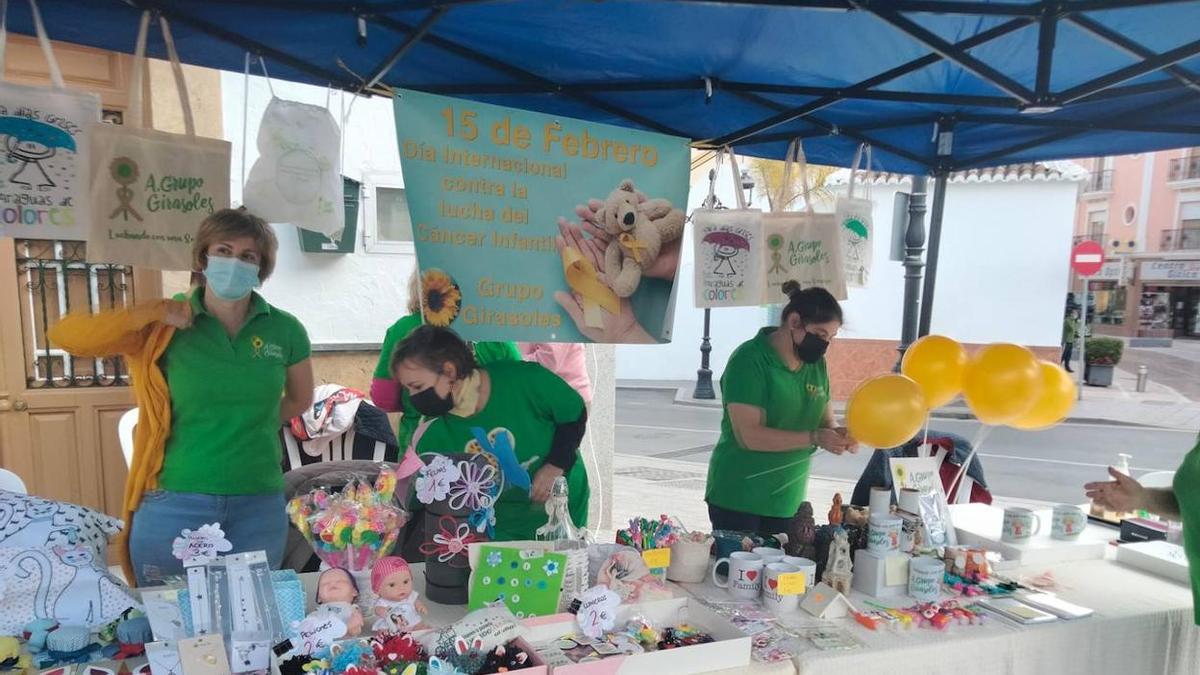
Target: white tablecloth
1143,625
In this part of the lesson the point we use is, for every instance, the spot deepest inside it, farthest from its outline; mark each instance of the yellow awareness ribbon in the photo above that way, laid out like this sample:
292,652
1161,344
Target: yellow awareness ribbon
635,245
583,279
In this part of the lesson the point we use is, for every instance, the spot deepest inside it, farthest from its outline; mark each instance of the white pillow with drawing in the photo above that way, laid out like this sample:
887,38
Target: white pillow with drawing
66,584
27,521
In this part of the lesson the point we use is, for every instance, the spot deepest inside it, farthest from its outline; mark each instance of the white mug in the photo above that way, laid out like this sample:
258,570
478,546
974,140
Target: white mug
925,577
771,599
1069,522
1020,525
808,567
883,533
745,575
769,555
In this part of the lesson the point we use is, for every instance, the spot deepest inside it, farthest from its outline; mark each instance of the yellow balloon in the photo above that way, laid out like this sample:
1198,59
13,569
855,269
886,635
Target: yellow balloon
1055,402
886,411
1002,383
936,363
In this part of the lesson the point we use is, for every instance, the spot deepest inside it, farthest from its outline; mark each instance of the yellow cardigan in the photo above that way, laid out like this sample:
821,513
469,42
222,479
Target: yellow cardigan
141,336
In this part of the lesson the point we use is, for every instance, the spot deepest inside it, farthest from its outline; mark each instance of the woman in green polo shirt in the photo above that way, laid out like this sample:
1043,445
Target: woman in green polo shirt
387,395
237,369
1179,502
543,416
775,392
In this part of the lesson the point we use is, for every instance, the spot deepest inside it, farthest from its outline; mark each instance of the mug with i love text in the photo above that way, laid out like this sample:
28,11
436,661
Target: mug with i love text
745,575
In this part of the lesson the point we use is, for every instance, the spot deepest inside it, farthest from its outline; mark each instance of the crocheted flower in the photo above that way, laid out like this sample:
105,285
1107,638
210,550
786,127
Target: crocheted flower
494,559
450,545
550,568
475,489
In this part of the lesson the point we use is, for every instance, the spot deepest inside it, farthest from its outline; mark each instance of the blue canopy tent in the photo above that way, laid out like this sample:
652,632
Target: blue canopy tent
934,86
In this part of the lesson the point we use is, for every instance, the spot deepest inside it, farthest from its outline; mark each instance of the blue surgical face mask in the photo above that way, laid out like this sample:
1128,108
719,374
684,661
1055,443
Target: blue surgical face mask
230,278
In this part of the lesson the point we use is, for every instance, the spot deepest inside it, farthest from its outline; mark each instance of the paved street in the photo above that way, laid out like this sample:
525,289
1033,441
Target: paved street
1177,367
1049,465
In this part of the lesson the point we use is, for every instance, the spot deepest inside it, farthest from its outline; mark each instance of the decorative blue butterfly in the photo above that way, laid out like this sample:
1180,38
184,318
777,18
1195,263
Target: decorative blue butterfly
501,444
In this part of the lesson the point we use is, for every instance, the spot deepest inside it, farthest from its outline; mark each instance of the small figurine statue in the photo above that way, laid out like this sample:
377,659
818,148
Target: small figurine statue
802,533
835,511
336,594
856,516
397,607
839,569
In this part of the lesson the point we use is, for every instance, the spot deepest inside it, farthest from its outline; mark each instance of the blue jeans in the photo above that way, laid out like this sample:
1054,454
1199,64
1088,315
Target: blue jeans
250,522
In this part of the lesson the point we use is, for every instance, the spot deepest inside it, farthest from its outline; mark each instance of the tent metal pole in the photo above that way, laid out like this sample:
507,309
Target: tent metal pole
1129,123
914,245
955,53
1187,77
884,77
1148,65
409,42
1047,32
931,256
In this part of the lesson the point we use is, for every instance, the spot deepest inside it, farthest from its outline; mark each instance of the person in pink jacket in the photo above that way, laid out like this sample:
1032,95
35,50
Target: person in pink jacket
566,360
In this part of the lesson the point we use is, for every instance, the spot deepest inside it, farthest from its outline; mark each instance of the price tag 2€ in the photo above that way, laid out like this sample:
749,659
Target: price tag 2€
657,558
792,583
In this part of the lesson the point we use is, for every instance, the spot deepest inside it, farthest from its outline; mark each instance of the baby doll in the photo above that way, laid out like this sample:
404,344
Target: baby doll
336,594
397,607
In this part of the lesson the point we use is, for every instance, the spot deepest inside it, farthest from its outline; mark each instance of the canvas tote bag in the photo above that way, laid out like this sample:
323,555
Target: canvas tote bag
854,218
728,246
151,189
297,176
46,136
802,246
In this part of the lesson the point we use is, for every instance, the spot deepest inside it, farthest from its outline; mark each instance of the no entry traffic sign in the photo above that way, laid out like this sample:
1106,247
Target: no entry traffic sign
1087,258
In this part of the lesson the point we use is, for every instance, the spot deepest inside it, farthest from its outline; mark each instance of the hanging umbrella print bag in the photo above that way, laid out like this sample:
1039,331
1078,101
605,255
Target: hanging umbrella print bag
45,137
728,248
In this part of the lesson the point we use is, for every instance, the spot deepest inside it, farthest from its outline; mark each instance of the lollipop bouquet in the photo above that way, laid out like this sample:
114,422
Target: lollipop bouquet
354,527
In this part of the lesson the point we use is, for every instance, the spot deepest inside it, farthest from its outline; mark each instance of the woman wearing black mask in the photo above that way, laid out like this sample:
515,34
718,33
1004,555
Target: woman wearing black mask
775,392
524,414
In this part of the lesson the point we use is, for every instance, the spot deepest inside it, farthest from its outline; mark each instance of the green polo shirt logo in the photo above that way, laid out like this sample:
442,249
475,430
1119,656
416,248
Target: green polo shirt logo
266,350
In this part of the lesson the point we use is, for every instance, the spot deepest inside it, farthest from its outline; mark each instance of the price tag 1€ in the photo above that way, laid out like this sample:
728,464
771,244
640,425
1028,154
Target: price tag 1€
657,558
792,583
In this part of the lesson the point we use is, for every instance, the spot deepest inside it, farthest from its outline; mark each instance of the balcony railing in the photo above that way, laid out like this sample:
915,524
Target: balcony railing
1099,181
1080,238
1185,168
1186,239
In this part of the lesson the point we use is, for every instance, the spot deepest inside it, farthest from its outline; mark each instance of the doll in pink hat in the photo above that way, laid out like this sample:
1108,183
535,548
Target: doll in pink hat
397,607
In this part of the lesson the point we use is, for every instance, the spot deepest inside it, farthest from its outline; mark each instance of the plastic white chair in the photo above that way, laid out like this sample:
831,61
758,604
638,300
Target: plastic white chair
1157,479
11,482
125,428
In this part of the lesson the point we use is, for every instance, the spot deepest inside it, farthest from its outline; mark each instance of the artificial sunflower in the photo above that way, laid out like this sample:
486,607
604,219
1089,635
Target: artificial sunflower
441,298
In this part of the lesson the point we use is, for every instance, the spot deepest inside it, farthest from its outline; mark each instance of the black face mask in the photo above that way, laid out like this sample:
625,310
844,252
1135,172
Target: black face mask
430,404
811,348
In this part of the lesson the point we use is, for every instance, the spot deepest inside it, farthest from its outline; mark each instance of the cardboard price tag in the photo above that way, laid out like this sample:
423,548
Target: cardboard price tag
657,558
792,583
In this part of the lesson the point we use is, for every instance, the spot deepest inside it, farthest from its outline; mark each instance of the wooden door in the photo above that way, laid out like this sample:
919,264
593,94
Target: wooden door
58,414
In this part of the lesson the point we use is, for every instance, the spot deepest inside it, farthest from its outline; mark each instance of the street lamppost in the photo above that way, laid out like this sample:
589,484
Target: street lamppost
704,383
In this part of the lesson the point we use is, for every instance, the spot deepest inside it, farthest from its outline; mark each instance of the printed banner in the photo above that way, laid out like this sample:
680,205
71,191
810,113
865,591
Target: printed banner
728,257
43,185
539,228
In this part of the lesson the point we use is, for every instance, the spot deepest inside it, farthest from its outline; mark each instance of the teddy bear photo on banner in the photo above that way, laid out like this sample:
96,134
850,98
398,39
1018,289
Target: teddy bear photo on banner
729,245
46,134
149,188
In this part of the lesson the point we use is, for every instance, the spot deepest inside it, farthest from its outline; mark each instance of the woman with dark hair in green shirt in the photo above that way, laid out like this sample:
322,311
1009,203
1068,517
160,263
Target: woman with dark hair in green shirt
775,392
541,418
387,395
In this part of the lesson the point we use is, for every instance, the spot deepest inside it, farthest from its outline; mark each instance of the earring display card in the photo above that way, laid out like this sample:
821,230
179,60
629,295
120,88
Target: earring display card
204,655
250,652
198,587
164,658
164,614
